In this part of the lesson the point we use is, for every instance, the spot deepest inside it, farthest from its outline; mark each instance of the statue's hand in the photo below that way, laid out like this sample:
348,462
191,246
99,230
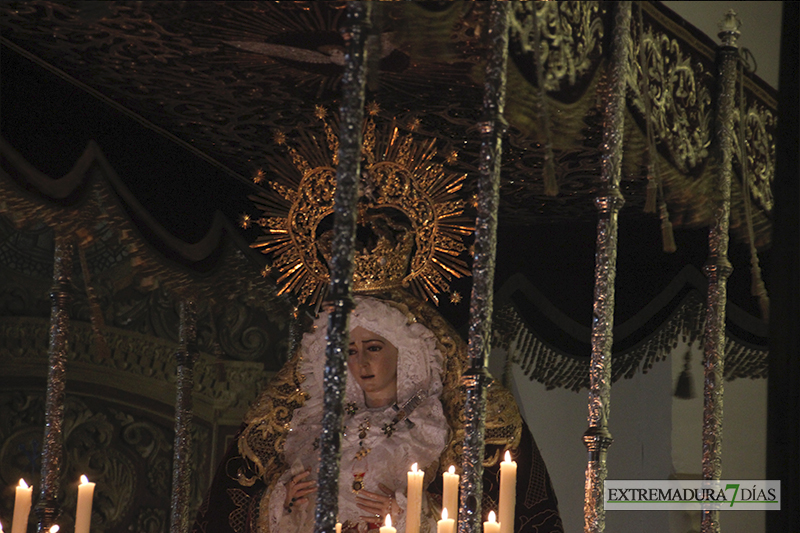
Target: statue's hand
297,490
378,505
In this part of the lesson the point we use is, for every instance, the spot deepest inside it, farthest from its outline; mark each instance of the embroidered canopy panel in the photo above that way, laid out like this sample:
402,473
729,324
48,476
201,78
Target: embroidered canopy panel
186,99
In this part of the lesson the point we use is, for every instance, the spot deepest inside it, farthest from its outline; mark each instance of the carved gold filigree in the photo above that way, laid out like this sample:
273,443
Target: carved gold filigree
92,447
408,203
152,445
150,520
571,34
126,453
134,356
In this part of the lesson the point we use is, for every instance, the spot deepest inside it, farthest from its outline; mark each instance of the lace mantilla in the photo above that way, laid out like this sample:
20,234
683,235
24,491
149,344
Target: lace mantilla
416,425
273,423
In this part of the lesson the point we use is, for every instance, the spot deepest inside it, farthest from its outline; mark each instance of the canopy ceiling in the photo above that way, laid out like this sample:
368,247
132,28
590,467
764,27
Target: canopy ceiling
184,99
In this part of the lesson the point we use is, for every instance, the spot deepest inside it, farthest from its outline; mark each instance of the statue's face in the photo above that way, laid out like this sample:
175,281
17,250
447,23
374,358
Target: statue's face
372,361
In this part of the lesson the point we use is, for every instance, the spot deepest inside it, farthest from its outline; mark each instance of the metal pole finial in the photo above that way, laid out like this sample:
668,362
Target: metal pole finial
729,29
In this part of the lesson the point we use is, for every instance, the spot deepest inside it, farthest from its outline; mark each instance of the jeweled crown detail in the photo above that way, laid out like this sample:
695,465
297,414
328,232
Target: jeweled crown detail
411,224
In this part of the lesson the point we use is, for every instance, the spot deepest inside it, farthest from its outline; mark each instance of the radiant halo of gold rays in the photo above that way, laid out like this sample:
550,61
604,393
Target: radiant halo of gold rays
407,199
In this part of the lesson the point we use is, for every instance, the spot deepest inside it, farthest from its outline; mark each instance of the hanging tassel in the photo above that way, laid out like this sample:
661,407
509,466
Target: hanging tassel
550,182
652,190
757,287
96,314
549,170
759,290
684,388
756,283
763,303
667,236
653,181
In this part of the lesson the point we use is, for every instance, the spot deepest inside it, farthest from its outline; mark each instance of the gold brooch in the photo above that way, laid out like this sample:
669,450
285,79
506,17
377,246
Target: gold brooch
358,481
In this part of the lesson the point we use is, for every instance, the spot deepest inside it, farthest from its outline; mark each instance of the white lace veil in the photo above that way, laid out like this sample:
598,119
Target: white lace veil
419,363
419,368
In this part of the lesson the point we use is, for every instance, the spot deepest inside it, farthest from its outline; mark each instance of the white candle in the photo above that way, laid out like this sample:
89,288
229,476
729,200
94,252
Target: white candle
508,494
338,527
445,525
491,525
414,510
450,492
387,528
22,507
83,515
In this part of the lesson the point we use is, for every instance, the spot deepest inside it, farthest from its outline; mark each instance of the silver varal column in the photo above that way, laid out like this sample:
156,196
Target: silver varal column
475,378
47,509
181,463
597,437
718,268
340,299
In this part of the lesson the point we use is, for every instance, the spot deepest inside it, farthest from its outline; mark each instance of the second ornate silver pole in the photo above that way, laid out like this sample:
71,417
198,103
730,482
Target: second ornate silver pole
481,303
348,172
47,509
718,268
597,438
181,463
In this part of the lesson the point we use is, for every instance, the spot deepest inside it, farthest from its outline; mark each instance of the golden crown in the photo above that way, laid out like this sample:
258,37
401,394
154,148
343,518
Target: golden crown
410,221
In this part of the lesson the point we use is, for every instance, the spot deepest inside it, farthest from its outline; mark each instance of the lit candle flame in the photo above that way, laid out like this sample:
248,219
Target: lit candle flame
388,522
84,480
414,467
22,484
492,517
1,527
508,456
444,513
54,529
452,469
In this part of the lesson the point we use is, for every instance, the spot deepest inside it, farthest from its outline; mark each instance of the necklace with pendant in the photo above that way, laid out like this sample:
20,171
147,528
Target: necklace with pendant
388,429
361,454
363,431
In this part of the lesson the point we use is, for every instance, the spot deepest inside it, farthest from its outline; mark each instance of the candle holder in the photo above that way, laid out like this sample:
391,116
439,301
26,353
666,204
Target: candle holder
47,512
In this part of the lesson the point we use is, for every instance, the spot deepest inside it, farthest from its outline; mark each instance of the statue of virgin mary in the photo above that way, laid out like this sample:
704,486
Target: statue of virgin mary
402,406
404,397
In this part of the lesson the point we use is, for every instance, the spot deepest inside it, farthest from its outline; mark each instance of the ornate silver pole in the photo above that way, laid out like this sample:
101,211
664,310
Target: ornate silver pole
47,509
181,463
493,126
718,268
351,117
597,438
